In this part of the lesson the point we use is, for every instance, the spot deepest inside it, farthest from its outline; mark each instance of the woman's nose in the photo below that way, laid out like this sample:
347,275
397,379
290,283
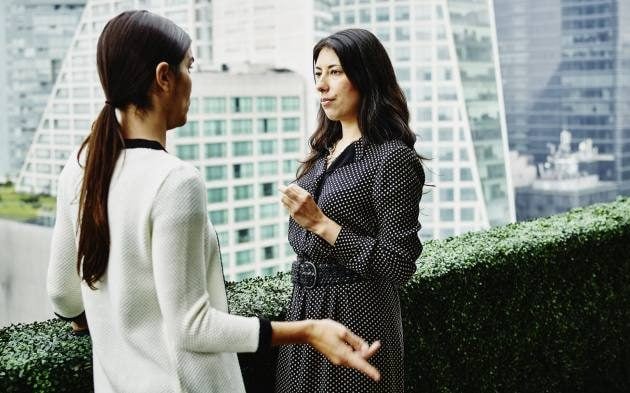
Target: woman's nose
321,85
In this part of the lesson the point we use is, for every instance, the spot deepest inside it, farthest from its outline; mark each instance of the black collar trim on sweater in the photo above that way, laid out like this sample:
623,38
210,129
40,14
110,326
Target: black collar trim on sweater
143,144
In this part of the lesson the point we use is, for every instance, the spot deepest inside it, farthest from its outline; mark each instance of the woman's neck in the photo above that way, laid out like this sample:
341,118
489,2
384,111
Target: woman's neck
350,132
148,125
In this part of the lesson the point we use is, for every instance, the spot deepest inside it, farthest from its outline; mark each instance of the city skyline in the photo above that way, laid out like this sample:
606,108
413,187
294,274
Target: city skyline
445,54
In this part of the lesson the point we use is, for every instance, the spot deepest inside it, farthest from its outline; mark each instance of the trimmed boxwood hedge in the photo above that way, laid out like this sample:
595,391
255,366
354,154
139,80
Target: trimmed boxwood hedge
540,306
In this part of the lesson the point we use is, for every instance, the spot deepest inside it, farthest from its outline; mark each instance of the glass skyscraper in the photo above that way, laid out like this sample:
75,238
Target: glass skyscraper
444,54
37,35
565,65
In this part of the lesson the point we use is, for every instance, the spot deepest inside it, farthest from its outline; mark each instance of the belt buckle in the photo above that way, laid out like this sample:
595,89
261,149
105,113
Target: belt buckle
313,274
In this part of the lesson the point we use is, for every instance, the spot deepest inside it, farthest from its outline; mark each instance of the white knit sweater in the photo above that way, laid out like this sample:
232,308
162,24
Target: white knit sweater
158,319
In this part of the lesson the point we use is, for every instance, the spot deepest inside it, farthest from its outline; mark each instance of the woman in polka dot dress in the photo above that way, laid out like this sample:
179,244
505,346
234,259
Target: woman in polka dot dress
354,215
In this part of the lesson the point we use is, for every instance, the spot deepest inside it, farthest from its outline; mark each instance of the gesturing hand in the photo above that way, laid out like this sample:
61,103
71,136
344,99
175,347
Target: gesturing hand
307,214
343,348
301,206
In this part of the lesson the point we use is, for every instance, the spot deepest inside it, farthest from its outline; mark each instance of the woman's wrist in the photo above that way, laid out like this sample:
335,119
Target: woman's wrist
327,229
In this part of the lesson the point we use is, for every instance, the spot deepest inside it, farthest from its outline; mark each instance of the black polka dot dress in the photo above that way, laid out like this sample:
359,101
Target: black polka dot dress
373,192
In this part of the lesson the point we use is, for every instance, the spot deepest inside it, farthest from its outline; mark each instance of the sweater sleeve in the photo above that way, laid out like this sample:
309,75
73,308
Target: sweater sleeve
390,254
179,222
63,283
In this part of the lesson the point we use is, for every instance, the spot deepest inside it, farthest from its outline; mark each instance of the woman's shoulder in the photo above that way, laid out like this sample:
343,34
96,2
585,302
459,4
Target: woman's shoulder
394,149
395,155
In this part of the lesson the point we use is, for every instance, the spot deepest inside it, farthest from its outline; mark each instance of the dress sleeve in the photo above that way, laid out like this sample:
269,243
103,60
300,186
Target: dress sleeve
63,283
180,255
392,253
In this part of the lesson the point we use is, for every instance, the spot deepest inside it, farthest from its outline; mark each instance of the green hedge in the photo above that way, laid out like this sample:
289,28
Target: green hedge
541,306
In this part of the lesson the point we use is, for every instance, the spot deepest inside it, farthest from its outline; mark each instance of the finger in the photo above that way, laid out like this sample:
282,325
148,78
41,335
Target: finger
287,202
376,345
293,190
357,362
282,188
356,342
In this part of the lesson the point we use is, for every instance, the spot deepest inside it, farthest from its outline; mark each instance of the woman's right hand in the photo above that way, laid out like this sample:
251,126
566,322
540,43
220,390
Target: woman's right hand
342,347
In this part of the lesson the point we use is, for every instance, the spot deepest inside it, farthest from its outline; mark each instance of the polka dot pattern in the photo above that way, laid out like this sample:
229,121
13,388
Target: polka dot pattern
375,198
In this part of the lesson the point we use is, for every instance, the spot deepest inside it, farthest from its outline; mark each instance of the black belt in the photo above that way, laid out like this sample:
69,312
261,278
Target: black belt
309,275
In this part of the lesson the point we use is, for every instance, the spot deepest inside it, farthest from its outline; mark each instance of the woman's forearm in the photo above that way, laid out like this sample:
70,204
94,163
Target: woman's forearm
294,332
327,229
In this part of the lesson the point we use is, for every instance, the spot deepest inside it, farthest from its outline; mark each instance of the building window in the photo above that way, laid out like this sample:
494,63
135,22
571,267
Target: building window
290,124
402,13
244,257
465,174
243,192
243,214
214,127
446,215
241,104
217,195
267,189
267,126
468,194
467,214
445,154
446,194
270,252
190,129
224,238
194,106
266,104
218,217
289,167
240,149
269,231
187,152
216,150
446,174
269,210
244,235
365,16
241,127
291,145
402,33
243,171
267,147
382,14
216,172
445,134
290,103
349,17
268,168
214,105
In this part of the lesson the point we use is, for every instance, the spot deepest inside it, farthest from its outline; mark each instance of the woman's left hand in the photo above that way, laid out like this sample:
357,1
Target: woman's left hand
307,214
302,206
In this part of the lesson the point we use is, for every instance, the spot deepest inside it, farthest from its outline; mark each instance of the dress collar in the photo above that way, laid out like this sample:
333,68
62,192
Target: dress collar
143,144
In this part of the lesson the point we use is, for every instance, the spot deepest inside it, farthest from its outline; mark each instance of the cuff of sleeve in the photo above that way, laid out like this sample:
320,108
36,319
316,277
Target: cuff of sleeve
264,335
69,319
344,248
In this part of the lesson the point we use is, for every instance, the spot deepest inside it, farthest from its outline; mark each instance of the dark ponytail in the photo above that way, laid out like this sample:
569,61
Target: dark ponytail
129,49
104,145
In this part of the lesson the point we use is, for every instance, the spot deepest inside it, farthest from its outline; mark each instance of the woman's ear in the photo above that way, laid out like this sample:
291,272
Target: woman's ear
163,78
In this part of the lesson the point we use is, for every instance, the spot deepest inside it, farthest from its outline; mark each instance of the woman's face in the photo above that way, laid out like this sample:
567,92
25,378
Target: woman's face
181,95
338,97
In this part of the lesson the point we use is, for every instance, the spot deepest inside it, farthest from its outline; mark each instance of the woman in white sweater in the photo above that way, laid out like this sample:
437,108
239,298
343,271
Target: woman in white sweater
133,255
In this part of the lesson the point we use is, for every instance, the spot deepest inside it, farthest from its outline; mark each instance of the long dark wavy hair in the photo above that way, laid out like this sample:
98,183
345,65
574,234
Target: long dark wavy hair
129,49
383,113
